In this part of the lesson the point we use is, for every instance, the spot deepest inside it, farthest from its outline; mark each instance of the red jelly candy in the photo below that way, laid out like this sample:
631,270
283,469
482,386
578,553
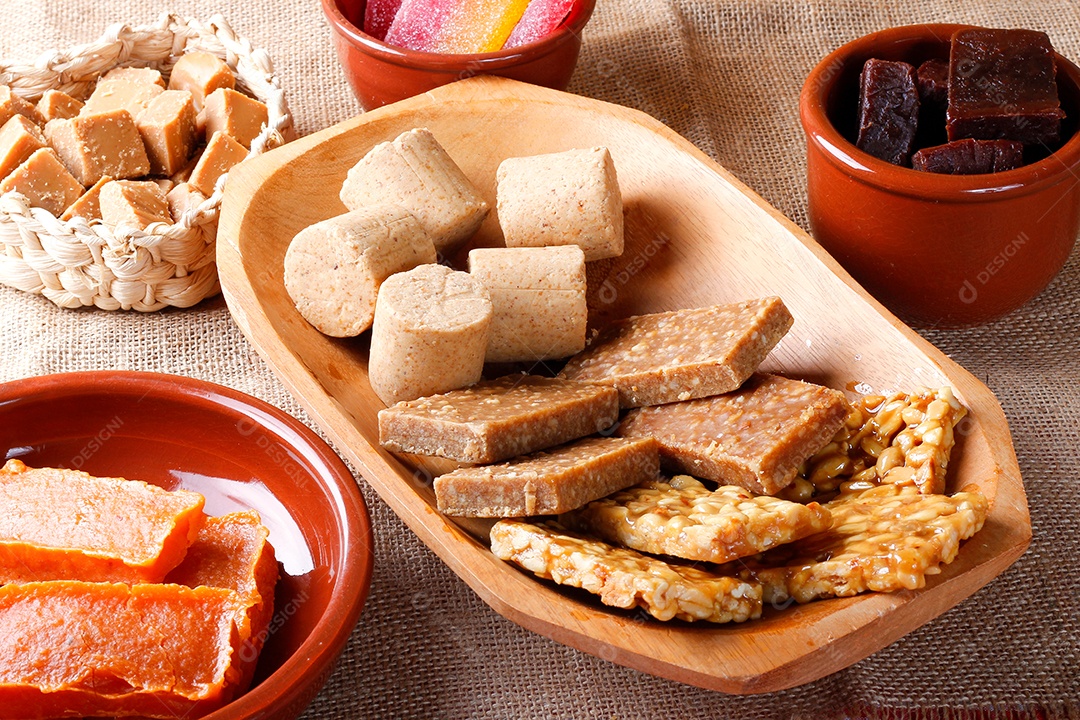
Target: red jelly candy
378,15
419,23
933,76
1002,84
888,110
970,157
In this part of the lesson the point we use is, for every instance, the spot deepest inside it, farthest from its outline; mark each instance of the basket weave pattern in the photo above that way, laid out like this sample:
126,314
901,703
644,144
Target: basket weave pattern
76,264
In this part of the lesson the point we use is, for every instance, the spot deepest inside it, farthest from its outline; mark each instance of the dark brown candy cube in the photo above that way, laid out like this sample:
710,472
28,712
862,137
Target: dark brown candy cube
933,77
970,157
1002,85
888,110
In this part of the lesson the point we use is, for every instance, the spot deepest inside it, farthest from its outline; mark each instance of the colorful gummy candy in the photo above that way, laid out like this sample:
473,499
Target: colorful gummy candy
540,18
417,24
378,15
477,26
462,26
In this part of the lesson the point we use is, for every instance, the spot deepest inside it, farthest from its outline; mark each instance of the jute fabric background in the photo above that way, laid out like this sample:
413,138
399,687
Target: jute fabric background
725,74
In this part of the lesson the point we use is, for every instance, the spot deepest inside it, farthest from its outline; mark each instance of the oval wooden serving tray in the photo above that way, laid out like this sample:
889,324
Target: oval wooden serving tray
695,236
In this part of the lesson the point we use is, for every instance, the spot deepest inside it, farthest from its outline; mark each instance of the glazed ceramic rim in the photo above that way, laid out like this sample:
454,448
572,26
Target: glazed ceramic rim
289,684
906,181
568,30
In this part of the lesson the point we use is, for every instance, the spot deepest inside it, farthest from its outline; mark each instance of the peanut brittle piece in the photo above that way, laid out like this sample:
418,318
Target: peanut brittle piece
755,437
887,538
548,483
498,419
624,578
903,439
681,355
683,518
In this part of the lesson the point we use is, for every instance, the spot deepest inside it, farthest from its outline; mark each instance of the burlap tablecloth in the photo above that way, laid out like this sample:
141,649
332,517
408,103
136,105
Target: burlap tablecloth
726,74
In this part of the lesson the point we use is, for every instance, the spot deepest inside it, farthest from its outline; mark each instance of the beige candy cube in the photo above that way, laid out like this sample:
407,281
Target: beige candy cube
129,89
56,105
565,198
11,105
182,198
415,172
538,297
201,73
93,146
334,268
88,206
134,204
184,174
44,181
19,139
429,334
222,154
167,128
234,114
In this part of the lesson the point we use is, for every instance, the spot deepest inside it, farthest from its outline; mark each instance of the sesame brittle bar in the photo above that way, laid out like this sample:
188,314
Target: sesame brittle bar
624,578
886,538
684,354
683,518
755,437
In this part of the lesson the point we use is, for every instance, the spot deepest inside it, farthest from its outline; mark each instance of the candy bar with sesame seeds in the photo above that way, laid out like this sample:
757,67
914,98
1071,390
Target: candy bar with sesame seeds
498,419
548,483
756,437
682,355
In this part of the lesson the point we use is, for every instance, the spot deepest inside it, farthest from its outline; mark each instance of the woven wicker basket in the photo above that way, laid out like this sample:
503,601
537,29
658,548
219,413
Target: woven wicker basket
75,264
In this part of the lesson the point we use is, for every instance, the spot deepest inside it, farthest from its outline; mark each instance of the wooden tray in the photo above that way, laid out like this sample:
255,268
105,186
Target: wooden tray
694,236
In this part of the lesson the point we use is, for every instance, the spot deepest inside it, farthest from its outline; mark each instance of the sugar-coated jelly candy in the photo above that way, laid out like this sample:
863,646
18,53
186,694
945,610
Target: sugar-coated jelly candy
479,26
378,15
540,19
418,24
455,26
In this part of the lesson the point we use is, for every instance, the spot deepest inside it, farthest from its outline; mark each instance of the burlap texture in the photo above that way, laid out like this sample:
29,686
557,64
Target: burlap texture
726,74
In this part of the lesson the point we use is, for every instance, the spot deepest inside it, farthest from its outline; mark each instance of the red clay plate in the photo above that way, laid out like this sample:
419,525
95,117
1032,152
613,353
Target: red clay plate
694,236
240,453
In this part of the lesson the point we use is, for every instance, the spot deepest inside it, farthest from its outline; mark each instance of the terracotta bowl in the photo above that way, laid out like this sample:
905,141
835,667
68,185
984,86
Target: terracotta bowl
240,453
946,250
381,74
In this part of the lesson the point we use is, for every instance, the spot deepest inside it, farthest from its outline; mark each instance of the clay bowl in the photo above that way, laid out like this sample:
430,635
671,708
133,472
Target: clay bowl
240,453
381,74
938,250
